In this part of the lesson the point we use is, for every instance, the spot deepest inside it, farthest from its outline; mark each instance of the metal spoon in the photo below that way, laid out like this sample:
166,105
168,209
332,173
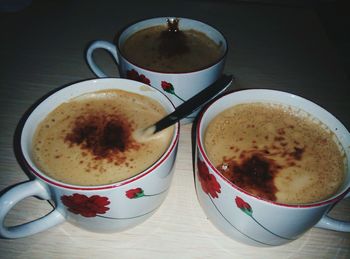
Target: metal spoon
189,106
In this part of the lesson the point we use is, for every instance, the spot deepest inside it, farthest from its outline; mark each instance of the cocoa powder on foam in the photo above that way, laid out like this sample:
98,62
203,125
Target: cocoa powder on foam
276,153
88,140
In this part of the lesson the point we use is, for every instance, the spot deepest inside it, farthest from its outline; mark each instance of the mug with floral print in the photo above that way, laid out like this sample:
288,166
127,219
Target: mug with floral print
179,86
104,208
248,218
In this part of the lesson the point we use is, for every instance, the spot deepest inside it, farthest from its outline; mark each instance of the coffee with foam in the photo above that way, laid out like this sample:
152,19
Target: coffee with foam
276,152
158,48
89,140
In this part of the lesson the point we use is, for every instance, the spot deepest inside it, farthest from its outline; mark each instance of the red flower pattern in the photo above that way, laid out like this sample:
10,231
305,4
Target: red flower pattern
134,75
244,206
248,210
134,193
208,181
167,87
86,206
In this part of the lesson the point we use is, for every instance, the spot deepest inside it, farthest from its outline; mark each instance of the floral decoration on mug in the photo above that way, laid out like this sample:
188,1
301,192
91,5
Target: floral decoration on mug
135,193
244,206
208,181
169,88
139,192
134,75
96,205
212,188
247,209
86,206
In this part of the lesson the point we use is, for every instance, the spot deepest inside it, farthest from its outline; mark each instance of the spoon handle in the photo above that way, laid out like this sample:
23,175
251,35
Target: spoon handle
193,103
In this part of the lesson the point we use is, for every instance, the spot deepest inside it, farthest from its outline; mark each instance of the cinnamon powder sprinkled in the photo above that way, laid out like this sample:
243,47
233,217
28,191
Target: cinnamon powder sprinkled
105,136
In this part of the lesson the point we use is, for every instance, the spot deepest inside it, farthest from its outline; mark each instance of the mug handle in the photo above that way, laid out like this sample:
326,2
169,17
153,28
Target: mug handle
100,44
15,195
327,222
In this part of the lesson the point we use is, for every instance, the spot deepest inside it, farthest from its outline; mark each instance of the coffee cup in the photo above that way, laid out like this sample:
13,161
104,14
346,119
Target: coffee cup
182,58
73,138
270,165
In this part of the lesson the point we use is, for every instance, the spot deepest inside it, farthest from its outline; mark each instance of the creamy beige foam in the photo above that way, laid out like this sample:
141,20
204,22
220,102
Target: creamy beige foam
89,139
276,153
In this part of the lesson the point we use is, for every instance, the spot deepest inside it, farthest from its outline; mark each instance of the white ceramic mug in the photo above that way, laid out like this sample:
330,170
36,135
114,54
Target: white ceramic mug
106,208
247,218
177,86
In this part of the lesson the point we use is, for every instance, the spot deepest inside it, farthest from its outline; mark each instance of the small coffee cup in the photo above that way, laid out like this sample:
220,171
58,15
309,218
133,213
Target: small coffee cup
111,207
243,214
179,83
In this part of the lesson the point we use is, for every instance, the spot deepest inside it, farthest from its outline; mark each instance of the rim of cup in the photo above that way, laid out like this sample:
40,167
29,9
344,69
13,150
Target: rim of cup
266,95
24,132
138,25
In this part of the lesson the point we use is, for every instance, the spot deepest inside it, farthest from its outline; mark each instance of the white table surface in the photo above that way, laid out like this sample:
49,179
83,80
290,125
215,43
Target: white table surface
270,46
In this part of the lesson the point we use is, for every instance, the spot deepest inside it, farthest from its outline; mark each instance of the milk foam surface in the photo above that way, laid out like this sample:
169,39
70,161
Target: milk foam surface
88,140
276,153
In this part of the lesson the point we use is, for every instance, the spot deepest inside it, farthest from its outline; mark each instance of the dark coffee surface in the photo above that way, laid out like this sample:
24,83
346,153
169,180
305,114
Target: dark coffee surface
165,49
